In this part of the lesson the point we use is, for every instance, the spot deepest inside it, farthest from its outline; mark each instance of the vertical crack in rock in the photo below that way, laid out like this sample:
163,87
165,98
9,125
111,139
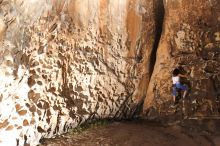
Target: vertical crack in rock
67,65
159,19
192,42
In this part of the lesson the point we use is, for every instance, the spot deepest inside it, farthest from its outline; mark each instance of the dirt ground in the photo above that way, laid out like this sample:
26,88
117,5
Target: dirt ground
144,133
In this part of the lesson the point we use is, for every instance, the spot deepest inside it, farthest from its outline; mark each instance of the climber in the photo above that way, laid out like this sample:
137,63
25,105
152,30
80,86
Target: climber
177,85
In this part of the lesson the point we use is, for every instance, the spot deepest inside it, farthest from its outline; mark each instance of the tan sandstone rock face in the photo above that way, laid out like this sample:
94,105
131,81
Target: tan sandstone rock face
190,39
65,62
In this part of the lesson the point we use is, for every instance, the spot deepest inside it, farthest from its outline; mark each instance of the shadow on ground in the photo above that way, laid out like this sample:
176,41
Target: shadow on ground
144,133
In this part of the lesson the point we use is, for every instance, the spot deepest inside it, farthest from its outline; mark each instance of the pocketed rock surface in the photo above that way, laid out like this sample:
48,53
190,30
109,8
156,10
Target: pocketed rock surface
67,62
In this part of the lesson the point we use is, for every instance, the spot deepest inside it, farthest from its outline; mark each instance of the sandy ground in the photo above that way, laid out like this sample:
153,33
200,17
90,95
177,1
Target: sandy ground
144,133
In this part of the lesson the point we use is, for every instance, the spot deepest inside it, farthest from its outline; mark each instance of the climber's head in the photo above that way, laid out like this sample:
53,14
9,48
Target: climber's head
176,72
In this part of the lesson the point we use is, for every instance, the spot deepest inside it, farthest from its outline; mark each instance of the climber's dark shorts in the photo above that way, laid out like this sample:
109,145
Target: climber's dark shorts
179,86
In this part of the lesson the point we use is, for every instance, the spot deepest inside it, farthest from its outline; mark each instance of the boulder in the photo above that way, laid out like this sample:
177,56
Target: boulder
190,40
64,63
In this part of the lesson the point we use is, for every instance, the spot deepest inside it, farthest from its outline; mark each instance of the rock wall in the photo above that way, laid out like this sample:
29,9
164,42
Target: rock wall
67,62
190,40
64,62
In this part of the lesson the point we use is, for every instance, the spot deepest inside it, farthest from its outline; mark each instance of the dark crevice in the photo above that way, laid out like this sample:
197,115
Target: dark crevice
159,12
